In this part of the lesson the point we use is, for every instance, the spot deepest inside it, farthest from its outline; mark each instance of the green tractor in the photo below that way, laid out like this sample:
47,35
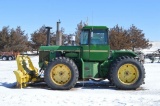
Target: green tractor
63,66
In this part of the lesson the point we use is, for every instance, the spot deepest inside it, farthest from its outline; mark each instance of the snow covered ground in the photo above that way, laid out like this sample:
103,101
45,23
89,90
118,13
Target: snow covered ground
155,47
87,94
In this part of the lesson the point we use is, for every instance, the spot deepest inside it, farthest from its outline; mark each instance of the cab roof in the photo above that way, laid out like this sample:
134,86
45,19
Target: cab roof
95,27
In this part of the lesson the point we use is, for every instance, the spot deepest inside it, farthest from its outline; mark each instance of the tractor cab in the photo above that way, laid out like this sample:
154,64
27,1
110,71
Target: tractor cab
94,42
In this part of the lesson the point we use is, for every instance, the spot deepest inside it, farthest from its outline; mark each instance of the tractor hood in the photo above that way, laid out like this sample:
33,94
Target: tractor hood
60,48
48,53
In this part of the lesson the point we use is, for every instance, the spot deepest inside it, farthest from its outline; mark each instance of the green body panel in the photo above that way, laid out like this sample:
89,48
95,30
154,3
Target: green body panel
92,60
44,56
85,52
72,55
104,68
98,52
90,70
95,52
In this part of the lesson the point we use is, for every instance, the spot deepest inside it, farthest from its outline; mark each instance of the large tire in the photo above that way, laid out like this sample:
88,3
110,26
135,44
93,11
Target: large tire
61,74
127,73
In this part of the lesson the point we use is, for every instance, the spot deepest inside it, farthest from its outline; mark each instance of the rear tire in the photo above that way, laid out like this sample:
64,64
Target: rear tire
61,74
127,73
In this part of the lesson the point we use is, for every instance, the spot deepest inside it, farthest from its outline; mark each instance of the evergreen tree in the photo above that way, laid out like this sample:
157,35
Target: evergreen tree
127,39
13,40
137,38
18,39
118,38
4,35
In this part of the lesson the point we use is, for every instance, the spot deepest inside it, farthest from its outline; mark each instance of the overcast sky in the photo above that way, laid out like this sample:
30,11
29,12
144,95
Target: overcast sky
32,14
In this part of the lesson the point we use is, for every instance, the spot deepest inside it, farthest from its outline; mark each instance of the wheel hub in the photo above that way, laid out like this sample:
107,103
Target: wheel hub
128,74
60,74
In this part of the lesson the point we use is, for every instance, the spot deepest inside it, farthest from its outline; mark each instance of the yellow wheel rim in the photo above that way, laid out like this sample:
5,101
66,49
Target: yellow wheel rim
60,74
128,74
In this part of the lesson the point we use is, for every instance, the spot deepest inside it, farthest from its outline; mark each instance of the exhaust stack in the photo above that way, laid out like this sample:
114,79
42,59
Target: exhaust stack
48,35
58,35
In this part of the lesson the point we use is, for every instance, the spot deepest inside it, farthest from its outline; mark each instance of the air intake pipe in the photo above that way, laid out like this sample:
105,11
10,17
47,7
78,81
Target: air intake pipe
48,35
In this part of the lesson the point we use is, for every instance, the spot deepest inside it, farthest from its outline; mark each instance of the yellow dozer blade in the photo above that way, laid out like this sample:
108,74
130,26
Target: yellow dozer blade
26,72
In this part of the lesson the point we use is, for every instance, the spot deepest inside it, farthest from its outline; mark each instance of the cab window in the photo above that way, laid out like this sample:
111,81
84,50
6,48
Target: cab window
98,37
84,37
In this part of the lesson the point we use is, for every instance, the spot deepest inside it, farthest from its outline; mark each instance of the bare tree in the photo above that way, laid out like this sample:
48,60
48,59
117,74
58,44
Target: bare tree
78,31
39,38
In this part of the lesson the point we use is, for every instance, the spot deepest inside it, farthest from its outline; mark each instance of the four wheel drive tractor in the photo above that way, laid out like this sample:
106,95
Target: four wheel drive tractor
63,66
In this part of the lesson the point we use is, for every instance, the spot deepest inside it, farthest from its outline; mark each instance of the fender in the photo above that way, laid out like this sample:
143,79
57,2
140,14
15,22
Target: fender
118,53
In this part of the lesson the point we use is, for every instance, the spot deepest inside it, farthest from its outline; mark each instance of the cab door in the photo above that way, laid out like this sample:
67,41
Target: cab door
85,44
98,45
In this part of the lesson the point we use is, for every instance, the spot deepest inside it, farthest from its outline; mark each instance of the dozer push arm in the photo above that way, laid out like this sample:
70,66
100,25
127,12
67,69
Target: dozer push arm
26,72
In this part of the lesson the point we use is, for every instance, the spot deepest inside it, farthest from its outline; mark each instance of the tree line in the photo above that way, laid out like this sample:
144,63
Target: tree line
17,40
131,39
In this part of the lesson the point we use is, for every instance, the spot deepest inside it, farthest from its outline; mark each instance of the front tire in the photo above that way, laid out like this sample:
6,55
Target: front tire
61,74
127,73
